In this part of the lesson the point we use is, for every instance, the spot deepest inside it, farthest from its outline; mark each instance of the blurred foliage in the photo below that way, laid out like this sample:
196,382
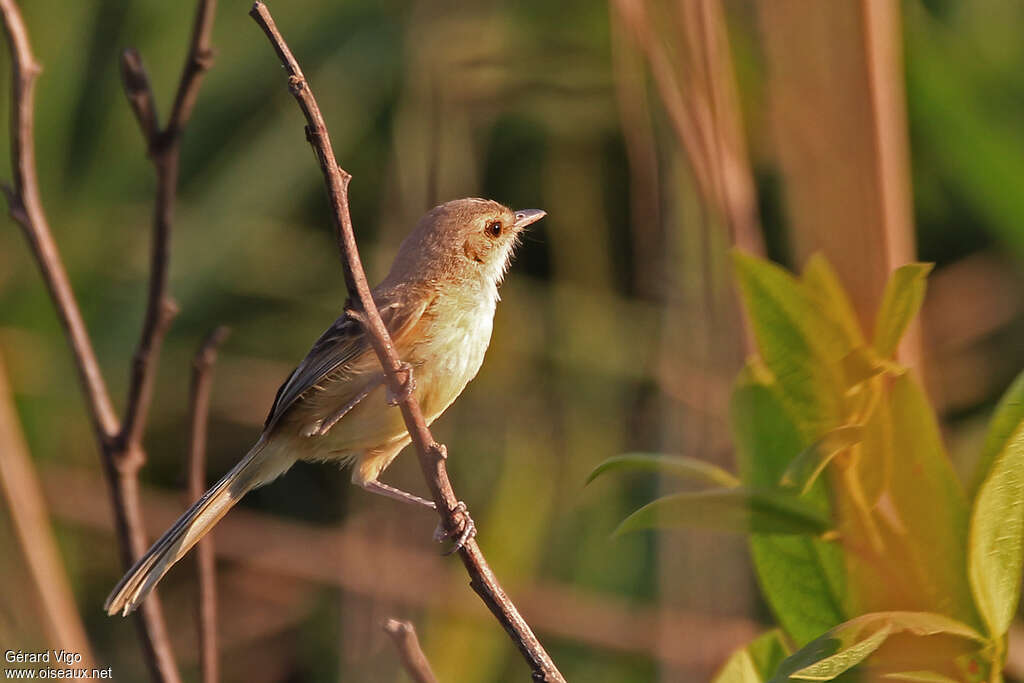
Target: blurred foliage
426,102
901,549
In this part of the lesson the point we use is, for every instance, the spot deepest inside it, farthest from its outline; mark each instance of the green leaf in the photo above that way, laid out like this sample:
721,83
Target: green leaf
1008,415
821,282
675,465
900,303
809,464
995,544
737,509
802,578
800,345
850,643
756,661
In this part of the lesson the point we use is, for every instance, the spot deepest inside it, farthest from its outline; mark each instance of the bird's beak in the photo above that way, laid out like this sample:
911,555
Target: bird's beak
525,217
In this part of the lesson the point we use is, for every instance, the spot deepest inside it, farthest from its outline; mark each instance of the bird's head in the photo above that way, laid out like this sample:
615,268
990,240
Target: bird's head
463,240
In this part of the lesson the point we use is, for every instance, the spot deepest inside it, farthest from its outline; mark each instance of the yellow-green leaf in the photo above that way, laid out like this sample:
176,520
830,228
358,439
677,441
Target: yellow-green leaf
797,341
821,282
679,466
809,464
900,303
1008,415
736,509
847,645
995,544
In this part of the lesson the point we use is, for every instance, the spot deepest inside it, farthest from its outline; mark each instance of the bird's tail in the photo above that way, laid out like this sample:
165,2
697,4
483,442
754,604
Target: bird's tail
256,468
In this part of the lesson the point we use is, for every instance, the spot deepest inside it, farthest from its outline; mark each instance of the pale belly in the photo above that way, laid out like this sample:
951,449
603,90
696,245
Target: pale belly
449,354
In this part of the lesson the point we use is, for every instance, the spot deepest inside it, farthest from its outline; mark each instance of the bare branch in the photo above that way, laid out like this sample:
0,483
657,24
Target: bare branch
120,441
140,94
165,150
206,605
198,62
403,635
431,454
27,209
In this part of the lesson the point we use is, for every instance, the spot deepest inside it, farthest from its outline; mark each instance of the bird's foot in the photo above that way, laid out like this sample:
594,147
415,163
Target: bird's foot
408,386
464,530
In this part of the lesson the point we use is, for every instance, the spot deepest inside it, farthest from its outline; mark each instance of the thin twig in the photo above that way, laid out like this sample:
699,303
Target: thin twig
139,93
165,150
432,455
120,440
30,518
26,208
403,635
206,603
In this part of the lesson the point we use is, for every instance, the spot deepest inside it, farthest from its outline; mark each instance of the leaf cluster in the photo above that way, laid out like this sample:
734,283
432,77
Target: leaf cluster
868,548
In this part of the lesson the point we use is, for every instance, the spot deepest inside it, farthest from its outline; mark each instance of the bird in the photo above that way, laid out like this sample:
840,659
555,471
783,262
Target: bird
437,302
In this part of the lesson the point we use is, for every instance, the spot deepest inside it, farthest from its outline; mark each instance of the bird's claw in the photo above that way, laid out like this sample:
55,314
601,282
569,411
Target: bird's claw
408,386
465,529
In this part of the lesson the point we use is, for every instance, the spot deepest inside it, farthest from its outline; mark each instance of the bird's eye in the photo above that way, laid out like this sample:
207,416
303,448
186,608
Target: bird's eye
493,228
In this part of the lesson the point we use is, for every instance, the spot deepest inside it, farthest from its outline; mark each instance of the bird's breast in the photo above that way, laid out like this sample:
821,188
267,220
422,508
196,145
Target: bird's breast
451,352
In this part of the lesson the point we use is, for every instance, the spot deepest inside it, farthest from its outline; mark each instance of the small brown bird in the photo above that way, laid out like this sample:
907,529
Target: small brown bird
438,304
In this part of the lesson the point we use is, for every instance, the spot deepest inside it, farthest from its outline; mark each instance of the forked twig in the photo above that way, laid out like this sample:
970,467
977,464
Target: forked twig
119,440
432,455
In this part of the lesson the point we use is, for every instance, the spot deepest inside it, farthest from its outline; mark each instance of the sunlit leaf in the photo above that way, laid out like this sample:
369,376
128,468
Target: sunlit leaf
900,303
675,465
740,510
806,466
821,282
850,643
996,546
1008,415
802,578
756,661
798,343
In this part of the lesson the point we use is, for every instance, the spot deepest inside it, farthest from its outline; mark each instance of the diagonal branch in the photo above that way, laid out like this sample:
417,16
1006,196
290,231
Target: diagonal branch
206,608
403,635
432,455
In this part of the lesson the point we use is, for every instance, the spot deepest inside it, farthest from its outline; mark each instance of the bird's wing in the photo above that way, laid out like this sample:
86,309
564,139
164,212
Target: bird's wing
342,345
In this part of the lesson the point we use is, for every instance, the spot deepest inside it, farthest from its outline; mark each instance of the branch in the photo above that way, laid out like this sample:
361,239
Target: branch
165,149
120,441
403,635
206,607
27,209
431,454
